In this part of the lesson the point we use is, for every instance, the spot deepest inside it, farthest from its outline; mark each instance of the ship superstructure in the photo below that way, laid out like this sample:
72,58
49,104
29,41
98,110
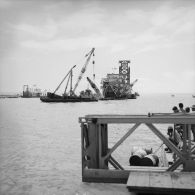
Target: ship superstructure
118,86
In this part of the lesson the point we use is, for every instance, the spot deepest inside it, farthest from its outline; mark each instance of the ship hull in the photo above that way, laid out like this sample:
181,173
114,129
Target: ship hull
119,98
67,99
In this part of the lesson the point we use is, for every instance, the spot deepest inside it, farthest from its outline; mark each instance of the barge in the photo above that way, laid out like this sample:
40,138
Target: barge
70,96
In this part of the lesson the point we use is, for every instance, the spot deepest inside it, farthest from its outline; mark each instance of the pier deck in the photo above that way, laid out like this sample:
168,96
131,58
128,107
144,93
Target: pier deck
161,182
97,157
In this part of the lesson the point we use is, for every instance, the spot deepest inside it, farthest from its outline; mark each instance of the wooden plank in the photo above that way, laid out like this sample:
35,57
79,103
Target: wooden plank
160,180
144,168
183,180
137,179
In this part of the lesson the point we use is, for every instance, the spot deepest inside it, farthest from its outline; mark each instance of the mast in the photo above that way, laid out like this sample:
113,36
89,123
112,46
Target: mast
71,75
67,85
63,79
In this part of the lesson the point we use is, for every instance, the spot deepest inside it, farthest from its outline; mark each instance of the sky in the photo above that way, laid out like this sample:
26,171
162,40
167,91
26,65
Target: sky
40,40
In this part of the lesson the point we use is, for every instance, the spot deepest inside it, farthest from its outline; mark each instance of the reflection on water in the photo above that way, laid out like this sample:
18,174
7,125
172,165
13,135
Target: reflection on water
40,150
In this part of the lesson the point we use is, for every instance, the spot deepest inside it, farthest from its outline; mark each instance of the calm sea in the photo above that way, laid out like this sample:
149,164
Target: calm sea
40,143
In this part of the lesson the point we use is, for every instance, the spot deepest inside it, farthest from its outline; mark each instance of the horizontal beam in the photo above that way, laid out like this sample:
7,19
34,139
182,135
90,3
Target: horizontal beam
164,118
114,176
105,176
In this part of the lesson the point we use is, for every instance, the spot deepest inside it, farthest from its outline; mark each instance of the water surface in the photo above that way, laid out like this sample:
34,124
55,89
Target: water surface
40,143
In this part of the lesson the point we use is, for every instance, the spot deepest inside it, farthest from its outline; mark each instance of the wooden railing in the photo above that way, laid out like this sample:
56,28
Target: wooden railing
96,155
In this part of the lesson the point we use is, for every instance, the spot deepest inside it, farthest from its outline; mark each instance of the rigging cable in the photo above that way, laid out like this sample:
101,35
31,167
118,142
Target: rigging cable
93,62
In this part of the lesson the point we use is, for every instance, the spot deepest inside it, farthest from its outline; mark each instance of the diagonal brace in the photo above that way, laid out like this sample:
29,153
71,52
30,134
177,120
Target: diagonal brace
175,165
165,140
130,131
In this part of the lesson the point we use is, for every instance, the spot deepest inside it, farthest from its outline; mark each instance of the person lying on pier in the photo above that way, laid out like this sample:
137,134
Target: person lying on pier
174,137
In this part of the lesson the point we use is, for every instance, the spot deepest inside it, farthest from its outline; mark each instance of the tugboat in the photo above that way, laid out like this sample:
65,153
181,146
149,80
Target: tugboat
70,96
116,86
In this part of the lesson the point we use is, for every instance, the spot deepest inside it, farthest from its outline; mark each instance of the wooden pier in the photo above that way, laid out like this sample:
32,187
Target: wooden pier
161,182
97,157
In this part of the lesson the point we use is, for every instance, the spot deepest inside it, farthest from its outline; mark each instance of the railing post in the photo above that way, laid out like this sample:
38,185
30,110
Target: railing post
103,145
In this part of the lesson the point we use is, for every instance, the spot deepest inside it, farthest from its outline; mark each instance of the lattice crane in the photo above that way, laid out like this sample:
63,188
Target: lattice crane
83,69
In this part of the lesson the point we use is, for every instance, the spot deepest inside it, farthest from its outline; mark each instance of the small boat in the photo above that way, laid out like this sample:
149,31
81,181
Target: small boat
70,96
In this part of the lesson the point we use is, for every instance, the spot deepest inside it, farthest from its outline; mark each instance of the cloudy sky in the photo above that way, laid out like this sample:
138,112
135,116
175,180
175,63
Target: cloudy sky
41,40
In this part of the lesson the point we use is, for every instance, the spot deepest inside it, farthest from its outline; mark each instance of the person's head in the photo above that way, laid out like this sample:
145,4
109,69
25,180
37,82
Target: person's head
187,109
170,130
181,105
178,128
175,109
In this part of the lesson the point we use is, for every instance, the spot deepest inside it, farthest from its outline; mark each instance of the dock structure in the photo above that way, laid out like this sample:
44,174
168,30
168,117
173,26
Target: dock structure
97,156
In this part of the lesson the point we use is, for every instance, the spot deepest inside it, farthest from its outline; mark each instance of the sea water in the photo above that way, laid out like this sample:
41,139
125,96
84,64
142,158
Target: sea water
40,143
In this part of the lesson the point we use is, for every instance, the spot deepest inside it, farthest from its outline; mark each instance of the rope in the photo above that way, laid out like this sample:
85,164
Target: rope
158,148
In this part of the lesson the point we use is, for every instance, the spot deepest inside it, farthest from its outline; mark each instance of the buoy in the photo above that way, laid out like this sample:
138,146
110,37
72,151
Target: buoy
149,160
136,157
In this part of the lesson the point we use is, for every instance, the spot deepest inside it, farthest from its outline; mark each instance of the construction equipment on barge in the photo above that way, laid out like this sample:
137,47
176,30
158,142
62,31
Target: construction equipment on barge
116,86
70,96
31,92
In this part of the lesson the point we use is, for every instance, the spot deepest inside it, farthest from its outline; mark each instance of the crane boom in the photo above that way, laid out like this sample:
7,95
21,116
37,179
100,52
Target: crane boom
93,85
133,83
64,79
83,69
